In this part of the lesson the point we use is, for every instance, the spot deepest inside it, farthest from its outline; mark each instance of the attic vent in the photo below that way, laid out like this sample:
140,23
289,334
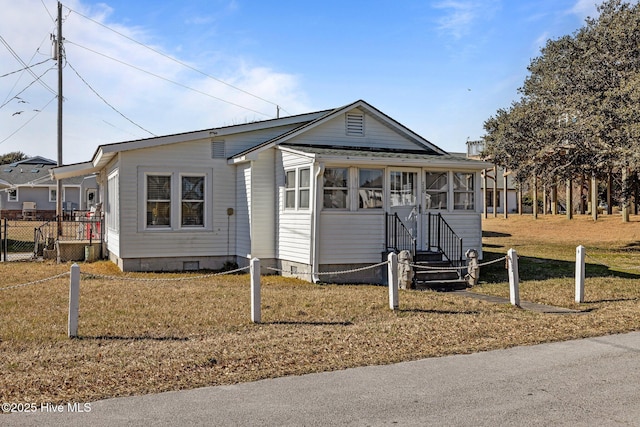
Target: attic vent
218,150
355,124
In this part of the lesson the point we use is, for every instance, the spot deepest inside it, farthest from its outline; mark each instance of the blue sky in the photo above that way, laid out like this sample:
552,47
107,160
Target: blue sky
440,67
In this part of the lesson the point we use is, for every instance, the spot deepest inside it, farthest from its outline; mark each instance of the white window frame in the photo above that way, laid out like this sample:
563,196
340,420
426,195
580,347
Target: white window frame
14,198
331,189
428,192
470,192
370,189
296,188
148,214
203,200
175,207
353,189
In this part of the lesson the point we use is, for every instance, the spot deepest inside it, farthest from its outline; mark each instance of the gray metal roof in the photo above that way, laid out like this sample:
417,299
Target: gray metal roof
33,171
400,155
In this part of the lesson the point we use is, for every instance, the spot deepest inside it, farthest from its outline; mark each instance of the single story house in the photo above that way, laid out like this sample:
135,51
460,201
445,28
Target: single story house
27,190
305,194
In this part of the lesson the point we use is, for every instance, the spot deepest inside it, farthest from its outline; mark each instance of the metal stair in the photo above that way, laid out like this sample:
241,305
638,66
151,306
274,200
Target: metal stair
436,279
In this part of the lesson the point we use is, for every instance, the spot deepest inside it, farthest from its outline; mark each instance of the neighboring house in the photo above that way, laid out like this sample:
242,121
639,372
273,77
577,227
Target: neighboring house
304,194
27,182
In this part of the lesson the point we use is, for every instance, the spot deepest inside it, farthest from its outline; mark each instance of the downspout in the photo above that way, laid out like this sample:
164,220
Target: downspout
315,220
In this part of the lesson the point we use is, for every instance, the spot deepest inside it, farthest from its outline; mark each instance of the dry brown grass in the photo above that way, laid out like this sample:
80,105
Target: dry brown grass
141,337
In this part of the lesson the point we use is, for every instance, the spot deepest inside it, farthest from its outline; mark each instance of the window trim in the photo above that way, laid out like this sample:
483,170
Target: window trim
296,188
353,189
471,191
203,201
14,199
345,188
176,199
446,192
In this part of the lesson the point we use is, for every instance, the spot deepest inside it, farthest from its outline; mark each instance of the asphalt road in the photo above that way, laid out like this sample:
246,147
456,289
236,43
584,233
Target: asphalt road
589,382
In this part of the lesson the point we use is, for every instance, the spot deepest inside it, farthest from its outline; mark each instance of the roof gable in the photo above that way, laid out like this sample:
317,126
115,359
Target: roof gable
414,141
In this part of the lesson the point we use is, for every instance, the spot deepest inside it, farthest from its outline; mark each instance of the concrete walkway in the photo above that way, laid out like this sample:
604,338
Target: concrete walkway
540,308
589,382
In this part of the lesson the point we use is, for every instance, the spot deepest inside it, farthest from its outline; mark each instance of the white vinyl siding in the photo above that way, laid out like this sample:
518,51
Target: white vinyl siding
351,237
192,158
293,226
377,135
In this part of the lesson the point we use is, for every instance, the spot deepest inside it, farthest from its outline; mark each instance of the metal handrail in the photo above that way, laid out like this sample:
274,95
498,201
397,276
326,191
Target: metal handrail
397,236
446,241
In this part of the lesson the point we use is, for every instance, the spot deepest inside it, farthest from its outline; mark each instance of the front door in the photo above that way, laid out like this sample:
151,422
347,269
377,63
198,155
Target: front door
404,199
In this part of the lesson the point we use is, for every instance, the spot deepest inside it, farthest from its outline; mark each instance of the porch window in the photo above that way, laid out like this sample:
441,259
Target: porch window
336,188
437,188
370,188
402,188
290,189
463,191
305,188
192,202
158,201
12,196
297,188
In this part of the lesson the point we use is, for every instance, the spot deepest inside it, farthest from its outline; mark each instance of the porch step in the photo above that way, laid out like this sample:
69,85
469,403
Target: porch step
437,278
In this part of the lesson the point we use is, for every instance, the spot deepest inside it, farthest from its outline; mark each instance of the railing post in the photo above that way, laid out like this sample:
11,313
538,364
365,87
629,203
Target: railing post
580,273
255,290
74,300
514,279
392,273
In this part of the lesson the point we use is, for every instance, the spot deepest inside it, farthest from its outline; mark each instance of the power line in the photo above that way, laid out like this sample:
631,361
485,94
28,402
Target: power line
28,121
105,101
168,80
23,69
15,55
178,61
16,96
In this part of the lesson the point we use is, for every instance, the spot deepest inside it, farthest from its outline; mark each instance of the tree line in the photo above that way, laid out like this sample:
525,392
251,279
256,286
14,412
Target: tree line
579,109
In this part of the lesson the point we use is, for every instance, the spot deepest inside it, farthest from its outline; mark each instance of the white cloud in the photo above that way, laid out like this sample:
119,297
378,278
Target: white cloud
459,16
585,9
155,104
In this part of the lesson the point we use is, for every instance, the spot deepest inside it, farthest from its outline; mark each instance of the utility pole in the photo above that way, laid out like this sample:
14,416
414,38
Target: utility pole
59,54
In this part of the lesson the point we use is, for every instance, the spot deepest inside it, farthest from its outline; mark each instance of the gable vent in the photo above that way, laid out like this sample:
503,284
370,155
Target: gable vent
218,150
355,124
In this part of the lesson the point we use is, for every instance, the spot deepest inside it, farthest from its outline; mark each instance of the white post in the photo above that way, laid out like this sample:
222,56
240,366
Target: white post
392,269
580,255
514,279
74,301
255,290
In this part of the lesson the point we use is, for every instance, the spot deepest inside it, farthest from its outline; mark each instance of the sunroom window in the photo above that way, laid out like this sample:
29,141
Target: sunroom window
370,188
463,191
336,190
437,189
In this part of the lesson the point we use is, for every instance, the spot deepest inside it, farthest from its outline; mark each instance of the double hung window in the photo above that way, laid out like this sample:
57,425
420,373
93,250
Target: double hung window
174,200
297,189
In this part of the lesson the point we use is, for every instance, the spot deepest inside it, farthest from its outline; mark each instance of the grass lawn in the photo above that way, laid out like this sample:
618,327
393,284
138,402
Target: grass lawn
141,336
